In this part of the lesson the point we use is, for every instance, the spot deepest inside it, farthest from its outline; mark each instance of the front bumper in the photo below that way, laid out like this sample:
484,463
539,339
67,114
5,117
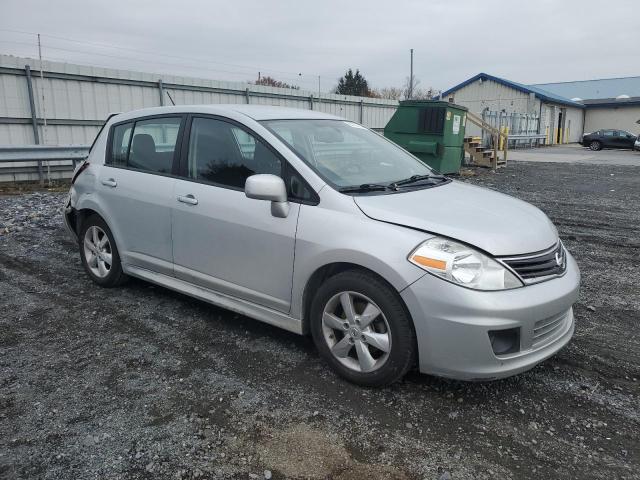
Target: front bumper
452,324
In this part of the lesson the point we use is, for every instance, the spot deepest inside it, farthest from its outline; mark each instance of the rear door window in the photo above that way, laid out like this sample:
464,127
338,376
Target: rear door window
146,145
153,144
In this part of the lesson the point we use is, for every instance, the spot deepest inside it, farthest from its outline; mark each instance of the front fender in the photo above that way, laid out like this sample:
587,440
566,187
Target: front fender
327,236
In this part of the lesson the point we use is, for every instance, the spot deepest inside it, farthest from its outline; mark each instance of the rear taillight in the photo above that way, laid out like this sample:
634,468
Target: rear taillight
80,169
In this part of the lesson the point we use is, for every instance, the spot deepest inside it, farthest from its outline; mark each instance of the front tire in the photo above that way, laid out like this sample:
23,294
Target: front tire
595,145
361,328
99,254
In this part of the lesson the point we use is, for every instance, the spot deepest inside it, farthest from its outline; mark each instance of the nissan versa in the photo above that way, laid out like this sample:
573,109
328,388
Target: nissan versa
320,226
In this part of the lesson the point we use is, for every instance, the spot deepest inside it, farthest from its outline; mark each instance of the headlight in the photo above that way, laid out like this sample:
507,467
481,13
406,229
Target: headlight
463,265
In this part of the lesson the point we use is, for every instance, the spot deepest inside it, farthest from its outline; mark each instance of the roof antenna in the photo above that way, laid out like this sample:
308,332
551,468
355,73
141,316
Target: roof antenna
169,95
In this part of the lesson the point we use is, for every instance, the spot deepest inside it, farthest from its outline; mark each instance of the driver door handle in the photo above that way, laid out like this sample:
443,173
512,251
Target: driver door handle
190,199
110,182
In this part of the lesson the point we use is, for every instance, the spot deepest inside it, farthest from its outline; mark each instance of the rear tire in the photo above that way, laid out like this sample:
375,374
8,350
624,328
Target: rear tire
99,253
361,328
595,145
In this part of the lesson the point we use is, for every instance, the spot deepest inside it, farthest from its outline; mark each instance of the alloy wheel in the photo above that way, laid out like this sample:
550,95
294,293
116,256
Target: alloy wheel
356,331
97,251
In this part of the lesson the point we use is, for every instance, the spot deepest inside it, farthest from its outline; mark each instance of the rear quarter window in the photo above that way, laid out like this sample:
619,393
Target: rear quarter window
120,140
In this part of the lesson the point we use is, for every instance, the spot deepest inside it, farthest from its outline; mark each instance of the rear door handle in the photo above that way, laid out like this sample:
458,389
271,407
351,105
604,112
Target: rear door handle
190,199
109,182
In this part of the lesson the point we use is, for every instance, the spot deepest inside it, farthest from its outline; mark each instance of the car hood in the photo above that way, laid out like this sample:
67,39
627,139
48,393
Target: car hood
496,223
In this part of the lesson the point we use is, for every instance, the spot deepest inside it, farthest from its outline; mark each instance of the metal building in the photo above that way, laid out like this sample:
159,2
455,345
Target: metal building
530,113
556,112
611,102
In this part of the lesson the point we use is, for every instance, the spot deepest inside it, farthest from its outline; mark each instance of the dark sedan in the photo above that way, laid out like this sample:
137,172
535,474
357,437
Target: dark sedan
608,139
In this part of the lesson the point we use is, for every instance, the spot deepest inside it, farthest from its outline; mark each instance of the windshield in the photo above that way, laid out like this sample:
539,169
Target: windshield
346,154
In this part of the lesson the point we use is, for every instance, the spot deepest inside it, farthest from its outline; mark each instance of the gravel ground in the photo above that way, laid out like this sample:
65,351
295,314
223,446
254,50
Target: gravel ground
141,382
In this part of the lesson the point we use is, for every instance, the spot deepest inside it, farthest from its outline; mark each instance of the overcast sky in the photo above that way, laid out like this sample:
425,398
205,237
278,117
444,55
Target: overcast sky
526,41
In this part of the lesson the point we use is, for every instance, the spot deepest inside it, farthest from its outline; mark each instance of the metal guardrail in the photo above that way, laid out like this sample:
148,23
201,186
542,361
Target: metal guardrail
527,140
39,162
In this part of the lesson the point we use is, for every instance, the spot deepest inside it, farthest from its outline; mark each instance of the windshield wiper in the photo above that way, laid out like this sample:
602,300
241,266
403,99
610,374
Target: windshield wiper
418,178
365,187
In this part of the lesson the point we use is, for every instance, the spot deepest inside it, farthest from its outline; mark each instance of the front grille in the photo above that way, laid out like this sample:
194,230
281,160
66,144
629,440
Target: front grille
535,267
545,329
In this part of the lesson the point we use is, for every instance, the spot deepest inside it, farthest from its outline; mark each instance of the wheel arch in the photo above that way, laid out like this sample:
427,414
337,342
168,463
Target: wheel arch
78,216
329,270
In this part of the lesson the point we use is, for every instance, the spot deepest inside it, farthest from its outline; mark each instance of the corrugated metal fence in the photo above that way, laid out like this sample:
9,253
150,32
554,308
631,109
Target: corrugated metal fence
523,128
78,98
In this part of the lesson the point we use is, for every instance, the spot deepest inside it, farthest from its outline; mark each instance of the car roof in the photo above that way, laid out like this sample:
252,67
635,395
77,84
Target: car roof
256,112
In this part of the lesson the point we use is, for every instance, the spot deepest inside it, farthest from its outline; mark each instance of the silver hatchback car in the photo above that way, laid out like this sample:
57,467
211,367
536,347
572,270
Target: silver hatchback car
320,226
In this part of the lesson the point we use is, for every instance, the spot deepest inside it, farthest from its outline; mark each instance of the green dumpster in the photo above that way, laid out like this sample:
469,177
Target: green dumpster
432,130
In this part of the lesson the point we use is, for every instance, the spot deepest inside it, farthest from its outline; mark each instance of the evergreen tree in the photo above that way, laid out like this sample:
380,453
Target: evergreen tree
353,84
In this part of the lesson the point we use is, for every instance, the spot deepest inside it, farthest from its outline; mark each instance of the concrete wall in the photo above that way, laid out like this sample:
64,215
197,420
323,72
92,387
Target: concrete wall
622,118
78,99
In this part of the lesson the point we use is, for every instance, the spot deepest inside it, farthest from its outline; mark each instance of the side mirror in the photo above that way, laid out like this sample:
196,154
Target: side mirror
269,187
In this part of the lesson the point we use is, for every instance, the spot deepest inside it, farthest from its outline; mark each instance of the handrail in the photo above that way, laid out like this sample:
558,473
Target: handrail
484,125
497,134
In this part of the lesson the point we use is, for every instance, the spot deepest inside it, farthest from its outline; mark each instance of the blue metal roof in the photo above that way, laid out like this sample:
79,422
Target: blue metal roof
594,89
538,92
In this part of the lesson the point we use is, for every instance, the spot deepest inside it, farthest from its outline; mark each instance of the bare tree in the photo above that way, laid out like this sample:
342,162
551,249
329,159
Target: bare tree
391,93
418,93
272,82
410,87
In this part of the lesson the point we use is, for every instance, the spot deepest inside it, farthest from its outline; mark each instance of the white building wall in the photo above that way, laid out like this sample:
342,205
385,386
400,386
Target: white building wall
574,125
494,96
550,123
491,95
621,118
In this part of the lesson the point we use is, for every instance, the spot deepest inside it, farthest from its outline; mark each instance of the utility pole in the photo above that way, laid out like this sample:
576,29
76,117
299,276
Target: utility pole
410,92
44,110
318,88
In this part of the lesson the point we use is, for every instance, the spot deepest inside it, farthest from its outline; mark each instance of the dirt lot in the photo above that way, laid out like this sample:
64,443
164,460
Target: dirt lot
140,382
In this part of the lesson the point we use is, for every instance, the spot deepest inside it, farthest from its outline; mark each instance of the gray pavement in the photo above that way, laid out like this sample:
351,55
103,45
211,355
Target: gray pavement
576,154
